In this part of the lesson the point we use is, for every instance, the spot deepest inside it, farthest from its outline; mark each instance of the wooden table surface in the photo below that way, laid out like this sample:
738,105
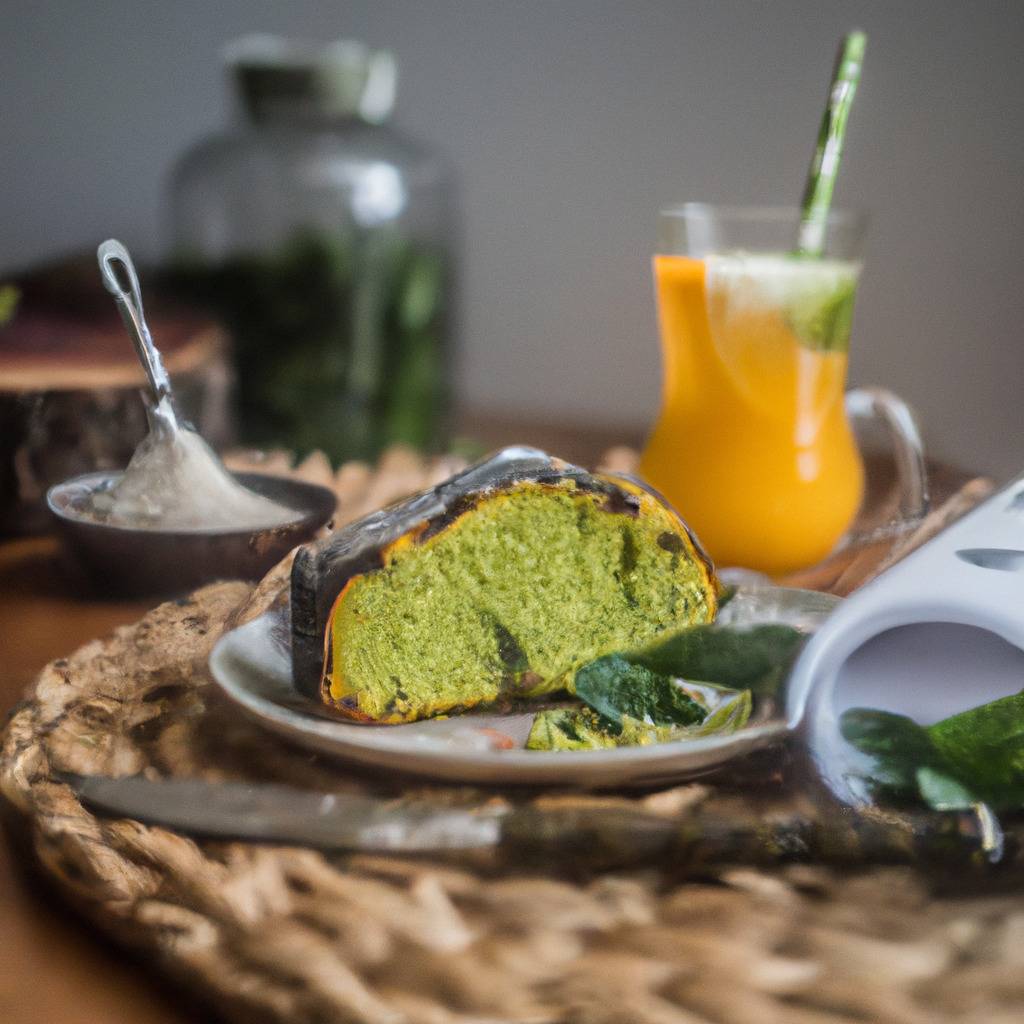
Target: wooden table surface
53,968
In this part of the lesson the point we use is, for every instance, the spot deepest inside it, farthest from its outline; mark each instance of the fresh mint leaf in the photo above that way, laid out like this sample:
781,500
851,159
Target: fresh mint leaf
985,747
824,321
973,757
898,745
616,689
755,658
697,682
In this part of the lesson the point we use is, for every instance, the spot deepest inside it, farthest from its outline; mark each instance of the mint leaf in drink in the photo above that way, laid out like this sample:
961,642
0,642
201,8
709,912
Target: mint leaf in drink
812,297
823,320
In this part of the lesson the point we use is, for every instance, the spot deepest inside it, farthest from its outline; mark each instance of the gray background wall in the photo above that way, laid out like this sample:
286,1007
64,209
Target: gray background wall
570,123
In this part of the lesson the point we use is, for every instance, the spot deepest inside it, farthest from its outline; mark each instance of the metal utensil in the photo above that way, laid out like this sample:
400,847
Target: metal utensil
270,813
131,562
582,836
115,263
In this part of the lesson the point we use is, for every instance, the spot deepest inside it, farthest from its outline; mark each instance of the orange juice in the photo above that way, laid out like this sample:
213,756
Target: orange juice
752,445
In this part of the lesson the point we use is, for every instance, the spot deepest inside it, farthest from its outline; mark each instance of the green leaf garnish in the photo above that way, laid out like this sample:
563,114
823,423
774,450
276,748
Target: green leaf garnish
897,744
824,321
985,747
698,682
755,659
616,689
973,757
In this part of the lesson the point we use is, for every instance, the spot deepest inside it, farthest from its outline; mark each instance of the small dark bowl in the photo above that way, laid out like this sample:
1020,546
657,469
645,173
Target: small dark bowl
121,561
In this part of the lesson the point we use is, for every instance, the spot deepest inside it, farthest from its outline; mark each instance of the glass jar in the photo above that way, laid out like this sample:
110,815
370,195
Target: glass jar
323,240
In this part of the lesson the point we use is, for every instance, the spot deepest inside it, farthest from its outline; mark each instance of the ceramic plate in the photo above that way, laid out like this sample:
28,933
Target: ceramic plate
252,665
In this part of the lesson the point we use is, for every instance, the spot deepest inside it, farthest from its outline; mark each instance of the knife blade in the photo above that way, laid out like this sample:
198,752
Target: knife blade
582,836
266,812
282,814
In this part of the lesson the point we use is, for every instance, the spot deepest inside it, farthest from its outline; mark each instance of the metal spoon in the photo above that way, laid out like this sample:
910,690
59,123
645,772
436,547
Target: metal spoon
129,561
121,280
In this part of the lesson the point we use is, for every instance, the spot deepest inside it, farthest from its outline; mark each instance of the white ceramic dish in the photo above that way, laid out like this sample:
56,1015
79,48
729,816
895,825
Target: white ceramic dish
252,666
938,633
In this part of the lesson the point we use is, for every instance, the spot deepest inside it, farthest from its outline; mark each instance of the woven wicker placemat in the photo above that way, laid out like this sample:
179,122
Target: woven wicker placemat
287,934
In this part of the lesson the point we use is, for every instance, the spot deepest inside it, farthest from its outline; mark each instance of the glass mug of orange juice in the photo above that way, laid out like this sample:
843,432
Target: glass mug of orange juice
754,444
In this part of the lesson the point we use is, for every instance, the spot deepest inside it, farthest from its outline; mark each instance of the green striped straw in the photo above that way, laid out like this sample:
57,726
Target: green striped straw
821,178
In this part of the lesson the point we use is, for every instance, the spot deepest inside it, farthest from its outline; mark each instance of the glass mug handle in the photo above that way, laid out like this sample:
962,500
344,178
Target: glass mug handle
887,408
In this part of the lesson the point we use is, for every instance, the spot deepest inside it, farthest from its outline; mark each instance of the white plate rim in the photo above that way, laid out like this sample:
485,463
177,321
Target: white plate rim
385,746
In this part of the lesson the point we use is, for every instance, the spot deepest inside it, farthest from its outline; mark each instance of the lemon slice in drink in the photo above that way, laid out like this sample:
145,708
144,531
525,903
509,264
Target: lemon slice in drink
780,325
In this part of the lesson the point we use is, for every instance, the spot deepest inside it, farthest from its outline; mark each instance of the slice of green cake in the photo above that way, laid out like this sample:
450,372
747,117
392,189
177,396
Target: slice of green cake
496,586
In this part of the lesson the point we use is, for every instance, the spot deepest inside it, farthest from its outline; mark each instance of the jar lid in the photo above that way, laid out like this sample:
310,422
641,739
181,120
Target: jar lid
276,76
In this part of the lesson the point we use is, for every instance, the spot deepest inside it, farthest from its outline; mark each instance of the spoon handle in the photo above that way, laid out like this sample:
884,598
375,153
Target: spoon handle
120,279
